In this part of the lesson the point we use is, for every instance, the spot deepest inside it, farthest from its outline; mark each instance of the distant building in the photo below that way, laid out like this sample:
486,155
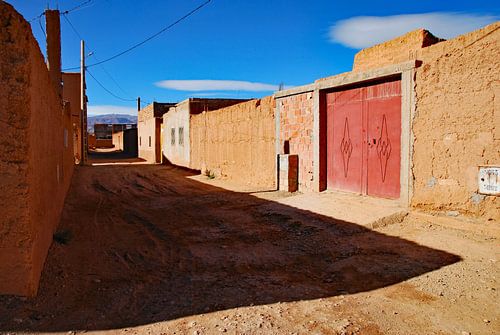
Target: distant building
149,123
103,133
126,141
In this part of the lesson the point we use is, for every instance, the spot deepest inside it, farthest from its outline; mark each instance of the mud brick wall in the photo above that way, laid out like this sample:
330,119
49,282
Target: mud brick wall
34,174
398,50
72,95
236,142
457,115
146,128
457,122
296,127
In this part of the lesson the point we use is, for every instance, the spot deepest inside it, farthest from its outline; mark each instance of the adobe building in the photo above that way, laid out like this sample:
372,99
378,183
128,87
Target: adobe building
176,125
149,121
103,136
72,96
126,141
36,148
416,121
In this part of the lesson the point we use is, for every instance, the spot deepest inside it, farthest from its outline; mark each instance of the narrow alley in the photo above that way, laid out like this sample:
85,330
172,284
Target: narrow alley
150,247
249,167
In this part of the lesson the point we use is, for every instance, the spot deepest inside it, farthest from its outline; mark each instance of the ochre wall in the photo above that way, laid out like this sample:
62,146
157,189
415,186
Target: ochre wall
398,50
457,123
237,142
457,115
118,140
34,169
72,94
296,127
146,127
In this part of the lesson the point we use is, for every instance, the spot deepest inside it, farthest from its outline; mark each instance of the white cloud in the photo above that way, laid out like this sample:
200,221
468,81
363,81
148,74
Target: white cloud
365,31
215,85
110,109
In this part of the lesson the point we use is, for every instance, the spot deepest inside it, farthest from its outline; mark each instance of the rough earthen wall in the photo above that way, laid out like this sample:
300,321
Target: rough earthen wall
118,140
146,127
34,177
71,94
457,119
457,122
296,127
398,50
237,142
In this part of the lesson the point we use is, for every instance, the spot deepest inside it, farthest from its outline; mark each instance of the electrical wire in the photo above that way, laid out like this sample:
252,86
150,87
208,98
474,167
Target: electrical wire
149,38
64,12
41,26
102,67
77,7
104,88
36,17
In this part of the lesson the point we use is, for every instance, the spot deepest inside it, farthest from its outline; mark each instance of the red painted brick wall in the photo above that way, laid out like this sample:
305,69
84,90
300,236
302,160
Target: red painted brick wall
296,127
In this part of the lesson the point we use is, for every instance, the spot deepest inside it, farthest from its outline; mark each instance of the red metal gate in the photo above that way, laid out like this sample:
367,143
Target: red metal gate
364,139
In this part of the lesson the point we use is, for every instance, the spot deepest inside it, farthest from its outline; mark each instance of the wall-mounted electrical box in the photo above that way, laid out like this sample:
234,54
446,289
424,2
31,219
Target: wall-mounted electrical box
489,180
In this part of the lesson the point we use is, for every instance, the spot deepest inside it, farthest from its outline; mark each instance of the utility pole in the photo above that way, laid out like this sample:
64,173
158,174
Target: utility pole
83,105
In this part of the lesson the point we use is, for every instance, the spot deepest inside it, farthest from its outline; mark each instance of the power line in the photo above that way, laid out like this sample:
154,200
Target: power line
36,17
102,67
104,88
41,26
72,26
64,12
149,38
77,7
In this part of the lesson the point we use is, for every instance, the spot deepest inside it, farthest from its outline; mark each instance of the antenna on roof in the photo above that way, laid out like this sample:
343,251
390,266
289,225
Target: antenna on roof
281,86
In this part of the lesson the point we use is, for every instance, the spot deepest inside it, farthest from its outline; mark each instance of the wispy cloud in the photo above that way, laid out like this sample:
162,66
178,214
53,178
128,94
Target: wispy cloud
365,31
110,109
216,85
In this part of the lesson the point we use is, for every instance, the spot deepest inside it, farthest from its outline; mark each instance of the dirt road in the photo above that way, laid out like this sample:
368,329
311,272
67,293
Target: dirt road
145,249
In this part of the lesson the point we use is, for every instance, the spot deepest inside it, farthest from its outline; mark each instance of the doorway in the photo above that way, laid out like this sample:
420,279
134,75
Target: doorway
363,135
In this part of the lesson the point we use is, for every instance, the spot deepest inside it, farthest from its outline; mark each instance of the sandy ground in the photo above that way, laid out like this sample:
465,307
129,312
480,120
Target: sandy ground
145,249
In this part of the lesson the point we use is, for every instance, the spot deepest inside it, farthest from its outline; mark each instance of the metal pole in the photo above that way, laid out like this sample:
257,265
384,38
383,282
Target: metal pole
83,105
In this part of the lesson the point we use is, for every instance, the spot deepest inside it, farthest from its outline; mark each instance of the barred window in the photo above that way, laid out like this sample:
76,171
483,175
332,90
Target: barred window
172,136
181,135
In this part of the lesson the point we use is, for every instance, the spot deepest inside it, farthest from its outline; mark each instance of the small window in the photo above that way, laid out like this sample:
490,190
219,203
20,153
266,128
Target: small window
150,141
140,140
181,135
172,136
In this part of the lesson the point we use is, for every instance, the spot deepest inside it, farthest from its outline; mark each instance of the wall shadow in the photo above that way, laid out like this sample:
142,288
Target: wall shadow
113,156
149,244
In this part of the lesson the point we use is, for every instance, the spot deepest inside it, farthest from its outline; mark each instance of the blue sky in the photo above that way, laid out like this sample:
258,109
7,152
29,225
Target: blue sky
236,48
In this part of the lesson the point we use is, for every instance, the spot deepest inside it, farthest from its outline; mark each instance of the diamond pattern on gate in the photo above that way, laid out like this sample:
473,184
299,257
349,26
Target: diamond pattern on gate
383,148
346,147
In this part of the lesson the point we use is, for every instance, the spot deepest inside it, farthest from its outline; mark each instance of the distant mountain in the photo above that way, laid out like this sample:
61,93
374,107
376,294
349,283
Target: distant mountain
109,118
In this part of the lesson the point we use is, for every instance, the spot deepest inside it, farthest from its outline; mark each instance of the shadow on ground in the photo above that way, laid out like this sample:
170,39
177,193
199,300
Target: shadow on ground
149,244
113,156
